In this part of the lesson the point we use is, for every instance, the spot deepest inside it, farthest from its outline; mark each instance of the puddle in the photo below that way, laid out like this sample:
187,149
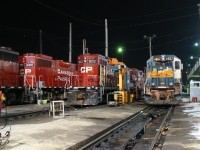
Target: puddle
193,110
196,131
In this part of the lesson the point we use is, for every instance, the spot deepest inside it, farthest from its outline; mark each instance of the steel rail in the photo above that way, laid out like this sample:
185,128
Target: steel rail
153,143
98,138
23,114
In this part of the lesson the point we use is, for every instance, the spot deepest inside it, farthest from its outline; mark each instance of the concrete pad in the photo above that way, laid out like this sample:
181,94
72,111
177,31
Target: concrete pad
184,128
42,133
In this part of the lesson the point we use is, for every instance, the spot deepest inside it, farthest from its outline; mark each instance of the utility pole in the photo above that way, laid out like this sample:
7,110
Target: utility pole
70,42
150,38
40,41
84,46
106,38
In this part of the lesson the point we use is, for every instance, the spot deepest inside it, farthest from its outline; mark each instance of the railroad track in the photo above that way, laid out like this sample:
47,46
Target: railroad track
29,114
24,115
128,134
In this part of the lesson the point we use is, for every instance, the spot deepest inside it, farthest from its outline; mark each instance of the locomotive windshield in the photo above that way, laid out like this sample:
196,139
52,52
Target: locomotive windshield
160,66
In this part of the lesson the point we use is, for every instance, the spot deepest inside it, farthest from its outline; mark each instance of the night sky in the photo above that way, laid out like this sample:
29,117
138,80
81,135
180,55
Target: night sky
176,24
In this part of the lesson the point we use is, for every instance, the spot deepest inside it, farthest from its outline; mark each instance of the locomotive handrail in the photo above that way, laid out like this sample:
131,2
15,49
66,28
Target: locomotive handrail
68,81
77,76
32,76
101,81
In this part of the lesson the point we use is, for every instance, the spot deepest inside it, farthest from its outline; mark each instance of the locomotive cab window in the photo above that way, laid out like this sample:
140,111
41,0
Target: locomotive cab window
177,64
80,61
6,56
44,63
150,66
196,84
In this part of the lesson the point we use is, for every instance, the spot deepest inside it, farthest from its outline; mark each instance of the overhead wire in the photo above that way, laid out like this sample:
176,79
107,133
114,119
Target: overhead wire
96,31
68,15
140,24
17,29
153,22
164,20
166,43
156,13
80,13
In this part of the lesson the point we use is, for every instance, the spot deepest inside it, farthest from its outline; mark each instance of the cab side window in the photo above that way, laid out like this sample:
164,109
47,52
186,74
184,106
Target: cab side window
177,64
149,66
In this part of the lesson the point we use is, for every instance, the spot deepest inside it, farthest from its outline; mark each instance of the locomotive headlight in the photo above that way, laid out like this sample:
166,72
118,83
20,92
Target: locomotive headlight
170,84
92,87
71,87
153,84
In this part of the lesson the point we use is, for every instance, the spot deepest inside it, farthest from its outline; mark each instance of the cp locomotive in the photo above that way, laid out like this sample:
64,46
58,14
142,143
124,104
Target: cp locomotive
163,84
28,77
95,78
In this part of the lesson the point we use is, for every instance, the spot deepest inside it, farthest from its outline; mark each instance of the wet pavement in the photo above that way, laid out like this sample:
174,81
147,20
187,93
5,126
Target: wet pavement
184,128
41,133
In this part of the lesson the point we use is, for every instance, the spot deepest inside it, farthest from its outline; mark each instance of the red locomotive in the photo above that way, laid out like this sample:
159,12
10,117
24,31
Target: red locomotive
96,78
9,68
9,73
33,76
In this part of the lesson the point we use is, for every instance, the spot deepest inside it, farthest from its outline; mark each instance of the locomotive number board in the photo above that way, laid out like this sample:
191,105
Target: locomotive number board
163,58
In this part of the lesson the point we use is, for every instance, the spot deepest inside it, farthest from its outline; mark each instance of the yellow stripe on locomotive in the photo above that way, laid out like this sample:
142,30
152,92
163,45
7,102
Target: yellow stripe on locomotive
161,74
